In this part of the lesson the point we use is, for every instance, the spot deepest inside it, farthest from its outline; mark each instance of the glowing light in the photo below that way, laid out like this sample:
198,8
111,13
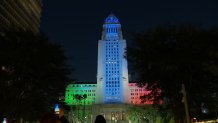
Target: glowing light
4,120
204,110
57,108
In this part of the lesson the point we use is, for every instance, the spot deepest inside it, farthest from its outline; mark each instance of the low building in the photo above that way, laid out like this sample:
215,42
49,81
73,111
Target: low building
87,91
80,93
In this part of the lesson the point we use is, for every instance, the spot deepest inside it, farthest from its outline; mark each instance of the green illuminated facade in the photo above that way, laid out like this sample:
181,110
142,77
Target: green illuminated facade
80,94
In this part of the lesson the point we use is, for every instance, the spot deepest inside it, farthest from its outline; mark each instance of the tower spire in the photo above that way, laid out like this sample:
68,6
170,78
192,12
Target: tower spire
112,28
112,19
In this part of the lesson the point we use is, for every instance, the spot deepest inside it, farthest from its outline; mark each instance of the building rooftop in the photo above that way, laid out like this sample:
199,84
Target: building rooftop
84,82
112,19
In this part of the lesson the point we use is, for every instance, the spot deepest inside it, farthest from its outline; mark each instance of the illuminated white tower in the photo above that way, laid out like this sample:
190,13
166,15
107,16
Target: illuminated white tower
112,73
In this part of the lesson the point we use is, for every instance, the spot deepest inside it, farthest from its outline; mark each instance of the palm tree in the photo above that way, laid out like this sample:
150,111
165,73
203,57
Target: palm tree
84,108
79,98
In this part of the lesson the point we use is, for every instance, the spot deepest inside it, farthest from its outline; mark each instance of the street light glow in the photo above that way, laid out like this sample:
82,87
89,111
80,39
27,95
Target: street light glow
4,120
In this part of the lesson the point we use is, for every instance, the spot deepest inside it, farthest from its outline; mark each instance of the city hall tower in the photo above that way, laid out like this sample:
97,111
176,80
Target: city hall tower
112,71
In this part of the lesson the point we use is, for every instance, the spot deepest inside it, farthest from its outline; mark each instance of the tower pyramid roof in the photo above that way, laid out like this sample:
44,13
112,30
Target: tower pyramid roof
111,19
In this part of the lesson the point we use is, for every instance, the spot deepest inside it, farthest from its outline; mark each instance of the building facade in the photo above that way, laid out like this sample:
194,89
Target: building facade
112,72
113,86
113,92
24,14
87,91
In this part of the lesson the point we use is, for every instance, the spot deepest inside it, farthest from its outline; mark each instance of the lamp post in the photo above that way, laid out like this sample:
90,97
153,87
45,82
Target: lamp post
91,118
185,103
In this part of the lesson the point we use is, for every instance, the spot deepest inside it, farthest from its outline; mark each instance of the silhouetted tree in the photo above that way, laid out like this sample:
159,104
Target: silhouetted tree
166,57
33,72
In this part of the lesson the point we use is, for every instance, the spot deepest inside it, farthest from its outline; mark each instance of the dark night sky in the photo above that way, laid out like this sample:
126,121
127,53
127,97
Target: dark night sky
77,24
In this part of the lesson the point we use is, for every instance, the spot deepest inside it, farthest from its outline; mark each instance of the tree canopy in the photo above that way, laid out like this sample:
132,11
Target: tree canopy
143,114
167,56
33,72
